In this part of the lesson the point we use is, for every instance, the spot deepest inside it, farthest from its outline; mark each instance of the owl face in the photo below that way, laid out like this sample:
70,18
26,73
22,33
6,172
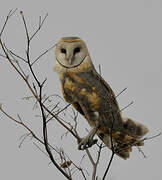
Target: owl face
70,52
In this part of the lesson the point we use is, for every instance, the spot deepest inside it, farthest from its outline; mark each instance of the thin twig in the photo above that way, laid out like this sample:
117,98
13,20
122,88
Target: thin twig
99,69
41,22
96,163
16,55
112,148
90,157
40,149
45,52
11,12
108,167
126,106
99,153
25,25
17,62
5,49
28,134
2,55
63,109
52,111
121,92
140,150
78,167
152,137
66,162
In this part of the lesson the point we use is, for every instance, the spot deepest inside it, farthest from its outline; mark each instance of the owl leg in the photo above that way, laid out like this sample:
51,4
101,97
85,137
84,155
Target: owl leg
88,141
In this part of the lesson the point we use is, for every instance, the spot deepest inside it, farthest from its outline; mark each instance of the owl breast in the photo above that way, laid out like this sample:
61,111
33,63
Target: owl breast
76,88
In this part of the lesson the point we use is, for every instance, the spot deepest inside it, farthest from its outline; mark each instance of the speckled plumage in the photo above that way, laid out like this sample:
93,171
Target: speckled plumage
94,99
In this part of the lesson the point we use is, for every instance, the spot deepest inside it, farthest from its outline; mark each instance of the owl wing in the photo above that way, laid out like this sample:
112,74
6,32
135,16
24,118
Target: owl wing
95,95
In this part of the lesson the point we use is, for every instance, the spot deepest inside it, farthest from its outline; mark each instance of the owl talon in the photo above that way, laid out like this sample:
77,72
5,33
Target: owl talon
86,143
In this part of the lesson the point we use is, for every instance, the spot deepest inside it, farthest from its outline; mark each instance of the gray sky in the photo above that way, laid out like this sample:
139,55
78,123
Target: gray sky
125,38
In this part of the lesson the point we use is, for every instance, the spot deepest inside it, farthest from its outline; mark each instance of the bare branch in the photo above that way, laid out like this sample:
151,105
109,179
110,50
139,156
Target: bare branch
16,55
17,62
10,117
96,163
40,149
41,22
5,50
79,169
112,148
2,55
11,12
127,106
99,67
121,92
25,25
63,109
23,139
108,167
140,150
152,137
66,163
99,153
90,157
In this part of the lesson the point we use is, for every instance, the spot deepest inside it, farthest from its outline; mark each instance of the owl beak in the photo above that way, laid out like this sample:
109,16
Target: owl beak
70,59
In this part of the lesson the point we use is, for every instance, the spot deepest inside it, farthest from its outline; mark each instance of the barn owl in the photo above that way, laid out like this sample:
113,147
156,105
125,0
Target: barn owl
93,98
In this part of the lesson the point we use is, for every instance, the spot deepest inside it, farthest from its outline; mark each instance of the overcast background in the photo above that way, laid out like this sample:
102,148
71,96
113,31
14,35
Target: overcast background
125,38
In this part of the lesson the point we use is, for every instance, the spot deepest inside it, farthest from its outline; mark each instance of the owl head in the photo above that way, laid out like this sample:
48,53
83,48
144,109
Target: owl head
71,52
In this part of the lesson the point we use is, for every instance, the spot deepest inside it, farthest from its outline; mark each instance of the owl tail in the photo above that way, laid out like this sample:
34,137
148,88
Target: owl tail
124,140
133,128
120,149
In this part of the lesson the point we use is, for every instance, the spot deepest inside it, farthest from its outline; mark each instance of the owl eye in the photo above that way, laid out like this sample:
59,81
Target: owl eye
76,50
63,50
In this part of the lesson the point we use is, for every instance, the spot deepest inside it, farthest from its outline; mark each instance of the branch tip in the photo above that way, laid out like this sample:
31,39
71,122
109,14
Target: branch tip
21,12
